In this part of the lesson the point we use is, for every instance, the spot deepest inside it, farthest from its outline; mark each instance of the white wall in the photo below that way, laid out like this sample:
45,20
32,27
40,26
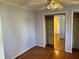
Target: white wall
40,28
1,43
18,27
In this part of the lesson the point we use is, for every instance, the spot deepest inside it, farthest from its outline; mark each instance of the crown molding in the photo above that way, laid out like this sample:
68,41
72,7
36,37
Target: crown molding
10,3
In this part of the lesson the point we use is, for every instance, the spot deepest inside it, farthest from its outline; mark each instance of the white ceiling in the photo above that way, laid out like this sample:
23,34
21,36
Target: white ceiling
32,4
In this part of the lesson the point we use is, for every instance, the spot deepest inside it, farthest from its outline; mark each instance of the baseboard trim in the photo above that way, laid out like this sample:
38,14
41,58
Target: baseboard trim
23,52
68,51
41,46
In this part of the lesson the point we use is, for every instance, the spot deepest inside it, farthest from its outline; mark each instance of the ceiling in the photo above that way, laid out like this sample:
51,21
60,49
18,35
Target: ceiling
31,4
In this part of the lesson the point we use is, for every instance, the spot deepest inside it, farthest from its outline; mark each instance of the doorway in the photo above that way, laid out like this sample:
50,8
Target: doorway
55,30
75,31
59,31
49,30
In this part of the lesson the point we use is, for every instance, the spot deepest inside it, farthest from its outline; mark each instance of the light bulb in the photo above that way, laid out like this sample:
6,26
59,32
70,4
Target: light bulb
53,1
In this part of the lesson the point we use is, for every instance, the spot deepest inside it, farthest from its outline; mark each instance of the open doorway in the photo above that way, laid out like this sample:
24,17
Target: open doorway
55,30
76,31
59,31
49,30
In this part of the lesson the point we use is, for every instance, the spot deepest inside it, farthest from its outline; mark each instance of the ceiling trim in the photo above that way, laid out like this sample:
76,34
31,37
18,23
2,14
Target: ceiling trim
6,2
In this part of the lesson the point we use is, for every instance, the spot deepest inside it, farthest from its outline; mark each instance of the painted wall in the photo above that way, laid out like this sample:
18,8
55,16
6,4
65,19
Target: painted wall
1,43
18,27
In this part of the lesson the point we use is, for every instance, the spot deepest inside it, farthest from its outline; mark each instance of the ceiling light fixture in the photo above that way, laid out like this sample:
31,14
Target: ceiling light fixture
54,4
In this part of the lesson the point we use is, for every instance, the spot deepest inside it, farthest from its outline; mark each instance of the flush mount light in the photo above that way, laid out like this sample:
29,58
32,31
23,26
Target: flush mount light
54,4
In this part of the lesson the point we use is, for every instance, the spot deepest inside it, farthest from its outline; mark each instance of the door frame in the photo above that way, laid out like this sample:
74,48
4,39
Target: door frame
44,26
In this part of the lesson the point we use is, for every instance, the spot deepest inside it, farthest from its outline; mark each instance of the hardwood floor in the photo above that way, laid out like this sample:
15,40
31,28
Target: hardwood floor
48,53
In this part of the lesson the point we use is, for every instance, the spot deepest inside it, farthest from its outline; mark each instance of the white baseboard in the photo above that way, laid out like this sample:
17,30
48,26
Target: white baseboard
41,46
68,51
22,52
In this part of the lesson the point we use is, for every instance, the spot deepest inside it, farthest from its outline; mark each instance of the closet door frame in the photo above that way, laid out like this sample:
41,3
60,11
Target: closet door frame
44,27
